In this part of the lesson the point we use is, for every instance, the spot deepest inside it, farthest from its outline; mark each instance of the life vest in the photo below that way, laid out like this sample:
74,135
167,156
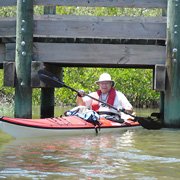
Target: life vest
97,94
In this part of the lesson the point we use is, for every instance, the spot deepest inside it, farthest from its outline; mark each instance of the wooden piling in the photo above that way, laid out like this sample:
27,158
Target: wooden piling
161,98
172,93
24,55
47,94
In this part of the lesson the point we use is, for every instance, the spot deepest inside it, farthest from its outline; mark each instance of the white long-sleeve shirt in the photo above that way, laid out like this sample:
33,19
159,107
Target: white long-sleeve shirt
120,100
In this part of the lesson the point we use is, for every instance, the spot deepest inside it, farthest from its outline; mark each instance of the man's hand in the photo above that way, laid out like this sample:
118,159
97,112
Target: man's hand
80,93
120,108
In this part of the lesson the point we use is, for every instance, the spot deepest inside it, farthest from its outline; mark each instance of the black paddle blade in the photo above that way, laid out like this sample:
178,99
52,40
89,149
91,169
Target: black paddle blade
50,79
148,123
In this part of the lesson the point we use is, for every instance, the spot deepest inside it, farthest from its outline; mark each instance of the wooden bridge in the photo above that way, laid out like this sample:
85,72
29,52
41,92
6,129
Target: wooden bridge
92,41
88,41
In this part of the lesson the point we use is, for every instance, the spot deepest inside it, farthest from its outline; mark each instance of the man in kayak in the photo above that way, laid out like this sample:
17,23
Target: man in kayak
107,94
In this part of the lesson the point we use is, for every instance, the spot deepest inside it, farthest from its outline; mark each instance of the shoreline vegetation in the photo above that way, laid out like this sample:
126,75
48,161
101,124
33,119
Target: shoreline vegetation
136,84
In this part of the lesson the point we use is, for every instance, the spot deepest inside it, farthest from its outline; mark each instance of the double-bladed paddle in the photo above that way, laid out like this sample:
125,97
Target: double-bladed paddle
52,80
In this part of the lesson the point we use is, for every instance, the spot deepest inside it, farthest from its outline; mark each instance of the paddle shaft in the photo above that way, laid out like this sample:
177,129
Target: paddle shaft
89,96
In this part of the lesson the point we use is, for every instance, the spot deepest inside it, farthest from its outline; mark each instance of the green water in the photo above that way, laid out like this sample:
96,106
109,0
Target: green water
134,154
8,111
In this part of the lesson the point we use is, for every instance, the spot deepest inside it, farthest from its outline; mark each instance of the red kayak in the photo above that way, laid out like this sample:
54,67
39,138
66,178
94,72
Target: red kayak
70,125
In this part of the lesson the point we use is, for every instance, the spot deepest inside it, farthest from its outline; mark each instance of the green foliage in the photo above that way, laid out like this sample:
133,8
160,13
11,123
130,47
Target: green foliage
38,10
36,96
136,84
8,11
7,93
105,11
11,11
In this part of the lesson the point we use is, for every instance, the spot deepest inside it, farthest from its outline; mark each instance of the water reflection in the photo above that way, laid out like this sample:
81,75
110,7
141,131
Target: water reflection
134,154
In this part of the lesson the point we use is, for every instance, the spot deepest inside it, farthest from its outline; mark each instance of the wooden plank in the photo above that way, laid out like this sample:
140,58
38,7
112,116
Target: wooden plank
98,55
92,27
106,3
8,3
35,81
95,3
160,77
8,27
102,27
9,74
2,53
10,51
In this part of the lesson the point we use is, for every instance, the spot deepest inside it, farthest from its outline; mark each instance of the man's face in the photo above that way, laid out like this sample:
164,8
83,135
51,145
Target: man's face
105,86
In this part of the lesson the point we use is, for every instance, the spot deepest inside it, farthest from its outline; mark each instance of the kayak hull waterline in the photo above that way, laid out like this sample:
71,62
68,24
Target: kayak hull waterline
60,126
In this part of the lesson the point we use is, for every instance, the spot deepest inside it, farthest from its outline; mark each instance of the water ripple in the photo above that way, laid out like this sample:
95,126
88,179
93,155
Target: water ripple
132,156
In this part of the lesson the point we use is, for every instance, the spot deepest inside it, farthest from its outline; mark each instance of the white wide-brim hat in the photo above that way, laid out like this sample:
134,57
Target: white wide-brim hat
105,77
